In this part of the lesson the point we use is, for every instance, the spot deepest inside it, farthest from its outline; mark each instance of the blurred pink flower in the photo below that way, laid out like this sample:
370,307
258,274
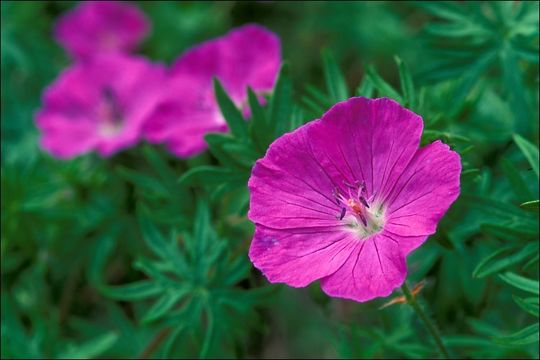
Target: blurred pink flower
99,105
97,27
247,56
346,198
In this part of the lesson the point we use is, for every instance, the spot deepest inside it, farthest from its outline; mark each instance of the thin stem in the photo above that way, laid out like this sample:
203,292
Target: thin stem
426,320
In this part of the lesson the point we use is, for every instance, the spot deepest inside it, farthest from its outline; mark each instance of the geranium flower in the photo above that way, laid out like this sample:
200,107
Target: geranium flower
247,56
346,198
99,105
97,27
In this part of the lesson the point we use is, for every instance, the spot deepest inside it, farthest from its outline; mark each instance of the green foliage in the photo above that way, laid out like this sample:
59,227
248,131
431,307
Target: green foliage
145,255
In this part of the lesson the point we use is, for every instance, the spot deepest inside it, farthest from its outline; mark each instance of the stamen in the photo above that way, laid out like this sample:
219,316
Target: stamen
363,218
342,215
363,201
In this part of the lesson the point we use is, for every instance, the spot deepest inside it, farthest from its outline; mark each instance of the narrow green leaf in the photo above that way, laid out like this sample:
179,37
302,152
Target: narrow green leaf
407,85
531,206
134,291
92,348
335,81
528,335
529,150
232,115
520,282
382,86
143,181
281,103
260,127
529,304
518,184
209,333
159,245
211,176
164,304
503,259
365,88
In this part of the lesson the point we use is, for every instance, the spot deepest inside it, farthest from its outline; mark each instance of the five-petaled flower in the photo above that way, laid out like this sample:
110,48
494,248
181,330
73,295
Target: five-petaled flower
346,198
99,105
99,27
248,56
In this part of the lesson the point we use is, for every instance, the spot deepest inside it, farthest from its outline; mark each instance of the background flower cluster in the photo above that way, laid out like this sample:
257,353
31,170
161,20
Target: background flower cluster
126,156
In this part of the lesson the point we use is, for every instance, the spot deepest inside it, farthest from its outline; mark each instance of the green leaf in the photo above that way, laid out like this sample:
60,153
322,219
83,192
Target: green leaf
407,85
232,115
144,182
529,150
211,176
528,335
531,206
530,304
382,86
365,88
91,348
159,246
518,184
260,128
335,81
503,259
131,292
164,304
281,103
516,230
520,282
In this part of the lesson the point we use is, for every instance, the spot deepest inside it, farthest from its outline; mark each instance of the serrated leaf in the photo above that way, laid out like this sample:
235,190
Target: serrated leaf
335,81
520,282
528,335
503,259
529,150
230,112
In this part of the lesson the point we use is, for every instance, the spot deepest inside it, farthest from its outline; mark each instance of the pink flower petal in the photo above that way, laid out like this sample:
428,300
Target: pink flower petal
370,140
375,268
99,27
289,188
424,191
77,114
246,56
300,256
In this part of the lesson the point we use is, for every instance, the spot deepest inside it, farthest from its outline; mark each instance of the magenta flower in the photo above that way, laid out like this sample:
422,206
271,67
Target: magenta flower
346,198
99,105
247,56
97,27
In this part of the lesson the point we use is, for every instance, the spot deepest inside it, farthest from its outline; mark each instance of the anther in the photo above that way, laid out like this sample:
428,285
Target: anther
363,218
342,215
363,201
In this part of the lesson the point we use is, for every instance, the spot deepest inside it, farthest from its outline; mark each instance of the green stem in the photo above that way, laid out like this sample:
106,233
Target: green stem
434,332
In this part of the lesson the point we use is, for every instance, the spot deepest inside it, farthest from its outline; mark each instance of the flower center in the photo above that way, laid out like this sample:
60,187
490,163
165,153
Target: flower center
361,214
110,114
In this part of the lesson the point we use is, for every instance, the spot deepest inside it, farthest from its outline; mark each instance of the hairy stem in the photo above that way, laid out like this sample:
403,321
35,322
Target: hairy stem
434,332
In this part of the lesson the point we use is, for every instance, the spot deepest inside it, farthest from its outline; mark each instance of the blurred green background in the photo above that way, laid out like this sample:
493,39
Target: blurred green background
117,258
